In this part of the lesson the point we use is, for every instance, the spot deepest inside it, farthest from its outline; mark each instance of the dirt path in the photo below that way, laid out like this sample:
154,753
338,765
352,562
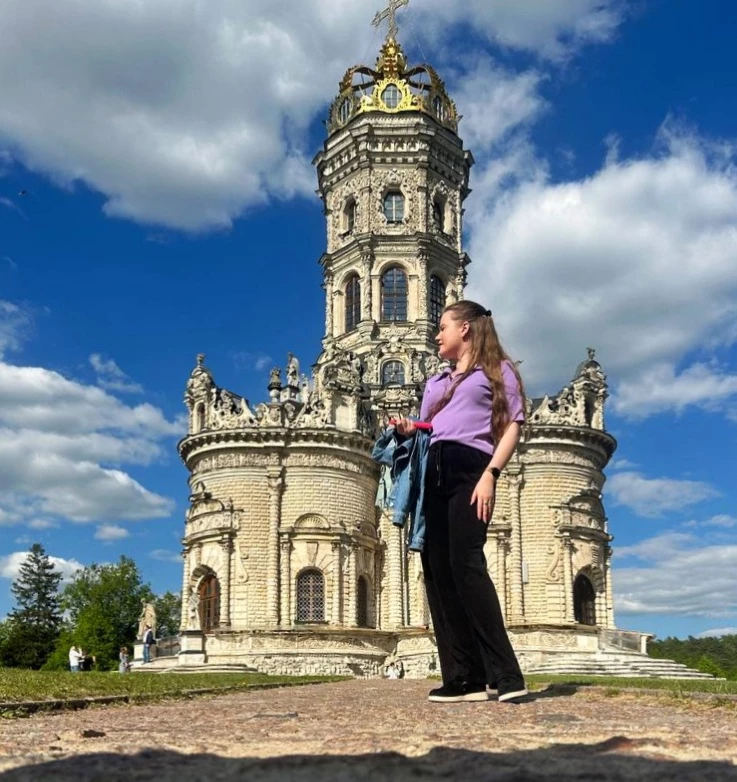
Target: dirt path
377,730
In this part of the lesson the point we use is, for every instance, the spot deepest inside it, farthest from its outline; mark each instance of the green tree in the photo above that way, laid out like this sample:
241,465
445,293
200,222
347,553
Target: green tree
168,614
34,624
104,603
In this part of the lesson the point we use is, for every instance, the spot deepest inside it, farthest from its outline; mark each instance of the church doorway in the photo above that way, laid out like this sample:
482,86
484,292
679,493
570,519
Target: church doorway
584,601
209,603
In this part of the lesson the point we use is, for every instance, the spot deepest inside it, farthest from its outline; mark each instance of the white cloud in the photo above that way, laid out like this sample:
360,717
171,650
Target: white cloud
717,632
10,565
110,532
15,324
637,260
251,361
111,377
62,447
553,29
163,555
679,576
212,100
622,464
652,497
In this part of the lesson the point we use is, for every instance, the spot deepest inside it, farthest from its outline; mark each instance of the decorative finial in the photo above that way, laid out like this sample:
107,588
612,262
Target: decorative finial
592,353
391,14
200,360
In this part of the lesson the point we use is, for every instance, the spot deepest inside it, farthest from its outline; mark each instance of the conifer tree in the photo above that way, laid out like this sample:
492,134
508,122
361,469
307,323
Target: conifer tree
35,622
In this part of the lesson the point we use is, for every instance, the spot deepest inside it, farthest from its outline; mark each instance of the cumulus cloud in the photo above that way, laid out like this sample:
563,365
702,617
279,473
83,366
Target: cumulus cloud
552,29
637,260
111,377
677,575
653,497
717,632
108,533
212,100
10,565
15,325
62,448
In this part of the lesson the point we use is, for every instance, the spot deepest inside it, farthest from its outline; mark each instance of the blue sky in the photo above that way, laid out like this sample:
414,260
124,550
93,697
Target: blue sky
168,208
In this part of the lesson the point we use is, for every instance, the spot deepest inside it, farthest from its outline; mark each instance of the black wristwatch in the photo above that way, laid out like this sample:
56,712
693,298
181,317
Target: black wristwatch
495,472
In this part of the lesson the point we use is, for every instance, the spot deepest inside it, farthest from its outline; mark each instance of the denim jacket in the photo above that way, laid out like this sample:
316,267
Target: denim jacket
402,484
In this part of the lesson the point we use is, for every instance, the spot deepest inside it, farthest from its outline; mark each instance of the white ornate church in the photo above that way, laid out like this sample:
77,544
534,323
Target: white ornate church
289,566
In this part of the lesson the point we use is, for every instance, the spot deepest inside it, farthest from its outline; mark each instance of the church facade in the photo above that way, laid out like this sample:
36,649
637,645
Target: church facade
289,565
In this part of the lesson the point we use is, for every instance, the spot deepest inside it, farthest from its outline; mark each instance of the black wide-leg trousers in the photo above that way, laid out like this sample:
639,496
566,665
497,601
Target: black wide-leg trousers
472,640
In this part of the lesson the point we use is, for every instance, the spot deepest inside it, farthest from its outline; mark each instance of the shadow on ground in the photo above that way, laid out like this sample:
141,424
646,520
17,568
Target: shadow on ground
608,761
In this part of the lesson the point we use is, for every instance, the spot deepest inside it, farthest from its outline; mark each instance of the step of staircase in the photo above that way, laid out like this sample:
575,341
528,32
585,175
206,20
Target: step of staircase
617,665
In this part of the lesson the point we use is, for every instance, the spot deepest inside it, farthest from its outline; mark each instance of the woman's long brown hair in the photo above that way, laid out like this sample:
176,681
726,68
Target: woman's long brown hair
485,351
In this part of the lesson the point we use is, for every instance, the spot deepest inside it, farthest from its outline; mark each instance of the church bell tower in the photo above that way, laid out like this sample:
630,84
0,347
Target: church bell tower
393,176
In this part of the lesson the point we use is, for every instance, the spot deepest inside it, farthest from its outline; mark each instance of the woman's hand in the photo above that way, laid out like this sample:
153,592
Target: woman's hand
484,495
405,427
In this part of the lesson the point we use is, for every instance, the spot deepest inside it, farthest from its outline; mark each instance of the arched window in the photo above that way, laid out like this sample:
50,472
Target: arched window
349,216
437,299
438,215
394,206
394,295
391,96
209,603
584,601
200,417
392,374
352,303
311,596
362,602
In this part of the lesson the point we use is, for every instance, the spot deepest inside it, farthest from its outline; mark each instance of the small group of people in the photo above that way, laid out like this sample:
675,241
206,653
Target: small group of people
79,660
474,411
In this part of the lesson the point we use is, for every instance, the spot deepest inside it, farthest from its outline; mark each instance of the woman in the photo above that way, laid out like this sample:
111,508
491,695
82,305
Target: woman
476,410
124,666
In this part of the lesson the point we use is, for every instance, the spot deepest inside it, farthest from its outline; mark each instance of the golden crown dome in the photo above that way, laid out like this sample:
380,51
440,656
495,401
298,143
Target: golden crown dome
392,88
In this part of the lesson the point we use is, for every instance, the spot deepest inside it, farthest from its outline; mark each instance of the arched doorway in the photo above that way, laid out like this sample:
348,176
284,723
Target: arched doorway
209,594
584,601
311,596
362,602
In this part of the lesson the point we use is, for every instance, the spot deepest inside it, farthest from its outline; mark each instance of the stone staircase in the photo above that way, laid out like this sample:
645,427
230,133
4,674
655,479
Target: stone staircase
171,665
618,664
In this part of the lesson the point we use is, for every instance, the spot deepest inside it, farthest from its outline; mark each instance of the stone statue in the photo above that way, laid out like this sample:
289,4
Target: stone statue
292,371
193,611
147,617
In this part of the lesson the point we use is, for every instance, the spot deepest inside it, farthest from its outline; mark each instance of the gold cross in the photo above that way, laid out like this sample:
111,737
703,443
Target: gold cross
390,14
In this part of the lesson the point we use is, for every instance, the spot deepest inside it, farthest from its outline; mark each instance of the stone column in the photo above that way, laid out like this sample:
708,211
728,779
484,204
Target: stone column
367,260
185,590
285,583
226,545
350,620
568,580
394,567
276,484
423,310
337,618
329,315
609,618
514,482
502,546
378,587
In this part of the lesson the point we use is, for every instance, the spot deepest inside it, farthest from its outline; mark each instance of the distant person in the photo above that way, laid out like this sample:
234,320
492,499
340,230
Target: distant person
75,658
125,665
476,409
148,642
87,663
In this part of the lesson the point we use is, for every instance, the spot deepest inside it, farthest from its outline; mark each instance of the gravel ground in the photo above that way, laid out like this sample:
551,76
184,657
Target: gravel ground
378,730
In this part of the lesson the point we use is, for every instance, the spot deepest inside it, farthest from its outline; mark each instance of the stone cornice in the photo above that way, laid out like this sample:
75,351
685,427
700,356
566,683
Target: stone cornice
277,439
540,435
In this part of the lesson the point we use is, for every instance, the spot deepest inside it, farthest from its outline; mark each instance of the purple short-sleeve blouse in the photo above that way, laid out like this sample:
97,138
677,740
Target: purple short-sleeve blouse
467,417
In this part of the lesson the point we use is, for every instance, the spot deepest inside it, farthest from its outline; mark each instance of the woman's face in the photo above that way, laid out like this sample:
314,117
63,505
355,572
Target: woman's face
450,337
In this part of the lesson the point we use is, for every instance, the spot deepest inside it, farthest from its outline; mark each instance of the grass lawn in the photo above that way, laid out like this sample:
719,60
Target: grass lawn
20,685
678,686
